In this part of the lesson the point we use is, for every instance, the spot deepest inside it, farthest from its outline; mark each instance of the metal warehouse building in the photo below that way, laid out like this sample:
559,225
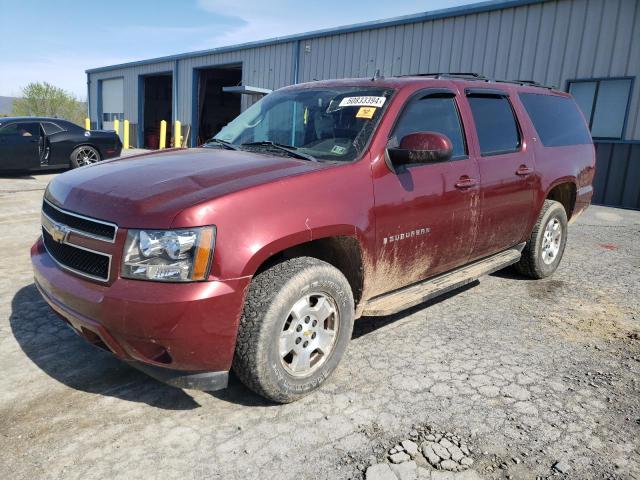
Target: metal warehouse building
588,47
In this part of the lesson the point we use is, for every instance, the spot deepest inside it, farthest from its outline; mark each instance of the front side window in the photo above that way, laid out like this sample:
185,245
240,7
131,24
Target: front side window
332,123
604,104
22,129
495,123
432,113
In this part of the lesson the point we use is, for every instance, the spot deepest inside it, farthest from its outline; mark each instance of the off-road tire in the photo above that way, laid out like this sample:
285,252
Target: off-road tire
531,263
269,300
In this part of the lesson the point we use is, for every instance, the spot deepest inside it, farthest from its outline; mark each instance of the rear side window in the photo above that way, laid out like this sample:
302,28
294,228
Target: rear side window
495,123
556,119
51,128
432,114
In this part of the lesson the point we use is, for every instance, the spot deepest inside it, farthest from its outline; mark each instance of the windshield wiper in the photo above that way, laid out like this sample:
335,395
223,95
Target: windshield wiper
224,143
290,149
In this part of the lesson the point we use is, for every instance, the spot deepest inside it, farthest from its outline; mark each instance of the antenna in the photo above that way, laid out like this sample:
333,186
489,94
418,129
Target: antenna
377,76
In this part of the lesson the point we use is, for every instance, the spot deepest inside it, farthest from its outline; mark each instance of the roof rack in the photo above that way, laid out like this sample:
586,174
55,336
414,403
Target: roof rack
465,75
479,77
531,83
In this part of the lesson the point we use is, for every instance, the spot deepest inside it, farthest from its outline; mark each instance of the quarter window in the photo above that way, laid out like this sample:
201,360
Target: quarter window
604,104
51,128
556,119
495,123
432,114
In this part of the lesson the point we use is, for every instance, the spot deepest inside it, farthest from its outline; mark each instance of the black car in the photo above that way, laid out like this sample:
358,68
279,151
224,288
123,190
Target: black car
38,143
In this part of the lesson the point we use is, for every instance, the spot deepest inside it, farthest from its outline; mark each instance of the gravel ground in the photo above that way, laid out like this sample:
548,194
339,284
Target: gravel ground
526,374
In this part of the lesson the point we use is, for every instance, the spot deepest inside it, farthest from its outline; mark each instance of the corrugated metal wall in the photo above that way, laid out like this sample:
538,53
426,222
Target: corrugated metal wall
617,181
130,76
268,67
549,42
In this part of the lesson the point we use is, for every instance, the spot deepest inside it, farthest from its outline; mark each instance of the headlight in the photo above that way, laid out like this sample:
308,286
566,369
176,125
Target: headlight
168,255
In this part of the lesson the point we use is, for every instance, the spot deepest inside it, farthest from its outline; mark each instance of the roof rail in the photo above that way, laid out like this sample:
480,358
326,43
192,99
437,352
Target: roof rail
465,75
479,77
531,83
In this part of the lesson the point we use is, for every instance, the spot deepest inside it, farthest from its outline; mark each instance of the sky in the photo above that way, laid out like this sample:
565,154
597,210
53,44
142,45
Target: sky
57,40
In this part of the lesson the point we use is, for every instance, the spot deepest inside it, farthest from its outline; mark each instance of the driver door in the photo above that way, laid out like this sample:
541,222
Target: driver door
20,146
426,214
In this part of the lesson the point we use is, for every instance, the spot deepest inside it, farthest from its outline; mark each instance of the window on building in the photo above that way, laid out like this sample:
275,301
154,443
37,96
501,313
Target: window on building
432,114
110,117
495,123
556,119
604,104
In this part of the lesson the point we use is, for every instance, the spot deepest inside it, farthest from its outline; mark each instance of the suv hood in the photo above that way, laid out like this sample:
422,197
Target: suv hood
149,190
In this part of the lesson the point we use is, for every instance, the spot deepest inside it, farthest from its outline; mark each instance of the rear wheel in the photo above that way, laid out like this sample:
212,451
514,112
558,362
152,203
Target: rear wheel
543,251
84,155
295,327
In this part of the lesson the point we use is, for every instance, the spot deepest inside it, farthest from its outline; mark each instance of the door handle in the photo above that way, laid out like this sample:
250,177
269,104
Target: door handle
465,182
523,171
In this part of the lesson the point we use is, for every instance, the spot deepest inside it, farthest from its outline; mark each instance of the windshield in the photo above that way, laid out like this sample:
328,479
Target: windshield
332,123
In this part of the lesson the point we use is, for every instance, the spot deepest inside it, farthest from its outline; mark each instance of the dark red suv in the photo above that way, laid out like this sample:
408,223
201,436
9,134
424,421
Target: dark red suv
320,203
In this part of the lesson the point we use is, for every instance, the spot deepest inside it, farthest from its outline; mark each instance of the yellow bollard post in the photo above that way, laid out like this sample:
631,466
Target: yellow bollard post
116,126
177,135
163,134
87,124
125,135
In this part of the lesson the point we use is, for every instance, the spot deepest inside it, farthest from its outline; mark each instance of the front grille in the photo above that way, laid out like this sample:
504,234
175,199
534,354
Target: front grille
81,224
81,261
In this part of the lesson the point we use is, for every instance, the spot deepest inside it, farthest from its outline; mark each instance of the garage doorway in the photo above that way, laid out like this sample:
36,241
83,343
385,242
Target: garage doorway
157,106
214,107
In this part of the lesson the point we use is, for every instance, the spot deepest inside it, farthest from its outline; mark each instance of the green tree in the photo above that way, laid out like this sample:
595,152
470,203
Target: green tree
46,100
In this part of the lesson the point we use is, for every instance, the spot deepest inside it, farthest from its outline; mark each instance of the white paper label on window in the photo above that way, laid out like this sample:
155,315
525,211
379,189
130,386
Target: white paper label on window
362,101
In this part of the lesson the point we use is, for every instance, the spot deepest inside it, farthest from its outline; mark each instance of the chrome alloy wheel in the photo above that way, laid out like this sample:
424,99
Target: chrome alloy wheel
551,239
86,156
309,334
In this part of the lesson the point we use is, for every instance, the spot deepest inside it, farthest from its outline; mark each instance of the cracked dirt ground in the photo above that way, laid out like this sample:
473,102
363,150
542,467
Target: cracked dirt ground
544,371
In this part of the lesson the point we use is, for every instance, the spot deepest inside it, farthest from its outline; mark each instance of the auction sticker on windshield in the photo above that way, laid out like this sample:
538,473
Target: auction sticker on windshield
362,102
366,112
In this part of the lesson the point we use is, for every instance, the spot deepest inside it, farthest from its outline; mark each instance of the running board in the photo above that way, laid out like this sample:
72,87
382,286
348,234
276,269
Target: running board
416,294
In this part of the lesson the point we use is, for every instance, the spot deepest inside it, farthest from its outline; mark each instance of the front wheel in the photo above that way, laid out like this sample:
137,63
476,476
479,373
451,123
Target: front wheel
543,251
84,155
294,329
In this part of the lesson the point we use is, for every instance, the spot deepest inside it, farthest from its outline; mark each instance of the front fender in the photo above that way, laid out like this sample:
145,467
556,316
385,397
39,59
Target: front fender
295,239
259,222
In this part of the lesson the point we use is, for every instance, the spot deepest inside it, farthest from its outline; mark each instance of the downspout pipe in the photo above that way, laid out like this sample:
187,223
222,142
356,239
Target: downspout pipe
296,63
174,92
89,99
296,77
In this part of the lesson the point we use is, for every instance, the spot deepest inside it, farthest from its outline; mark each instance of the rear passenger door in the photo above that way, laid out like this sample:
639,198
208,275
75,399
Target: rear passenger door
506,172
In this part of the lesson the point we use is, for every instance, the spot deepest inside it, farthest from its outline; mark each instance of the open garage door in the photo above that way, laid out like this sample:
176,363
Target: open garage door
157,106
216,107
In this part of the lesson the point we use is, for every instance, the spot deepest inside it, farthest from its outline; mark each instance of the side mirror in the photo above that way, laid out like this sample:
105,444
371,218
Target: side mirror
421,147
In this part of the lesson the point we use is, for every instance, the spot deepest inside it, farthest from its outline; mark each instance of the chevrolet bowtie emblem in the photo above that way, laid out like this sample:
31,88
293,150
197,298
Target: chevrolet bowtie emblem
59,232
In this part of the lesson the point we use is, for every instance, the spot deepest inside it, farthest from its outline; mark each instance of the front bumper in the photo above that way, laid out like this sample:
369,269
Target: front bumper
181,333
